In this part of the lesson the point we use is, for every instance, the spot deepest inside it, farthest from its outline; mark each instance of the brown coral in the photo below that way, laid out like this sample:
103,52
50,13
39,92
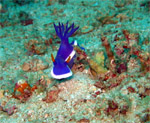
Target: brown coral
107,46
35,47
51,96
34,65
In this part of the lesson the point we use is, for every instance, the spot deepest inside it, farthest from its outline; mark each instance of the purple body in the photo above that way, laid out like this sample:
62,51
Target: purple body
61,68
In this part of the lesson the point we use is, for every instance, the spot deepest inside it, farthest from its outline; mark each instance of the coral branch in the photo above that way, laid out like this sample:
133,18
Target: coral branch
106,44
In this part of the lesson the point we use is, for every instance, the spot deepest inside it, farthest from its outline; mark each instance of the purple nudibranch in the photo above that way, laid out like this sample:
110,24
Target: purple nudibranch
65,56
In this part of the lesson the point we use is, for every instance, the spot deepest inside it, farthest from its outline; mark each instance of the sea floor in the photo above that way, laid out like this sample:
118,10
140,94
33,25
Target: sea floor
111,75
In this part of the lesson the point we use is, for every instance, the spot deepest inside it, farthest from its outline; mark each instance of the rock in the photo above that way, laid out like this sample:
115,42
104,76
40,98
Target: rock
107,20
35,47
133,65
83,121
87,29
34,65
26,67
51,96
1,94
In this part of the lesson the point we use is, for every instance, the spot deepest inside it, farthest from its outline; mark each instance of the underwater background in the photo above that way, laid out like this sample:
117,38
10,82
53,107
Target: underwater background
111,70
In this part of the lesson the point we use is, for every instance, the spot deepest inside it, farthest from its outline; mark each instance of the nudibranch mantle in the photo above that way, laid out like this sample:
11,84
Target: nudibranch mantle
66,53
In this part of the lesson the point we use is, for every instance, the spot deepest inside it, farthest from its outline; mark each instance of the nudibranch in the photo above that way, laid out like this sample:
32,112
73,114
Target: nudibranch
65,56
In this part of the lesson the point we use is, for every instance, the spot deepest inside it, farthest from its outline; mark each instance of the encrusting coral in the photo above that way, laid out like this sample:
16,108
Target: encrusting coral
23,90
96,67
